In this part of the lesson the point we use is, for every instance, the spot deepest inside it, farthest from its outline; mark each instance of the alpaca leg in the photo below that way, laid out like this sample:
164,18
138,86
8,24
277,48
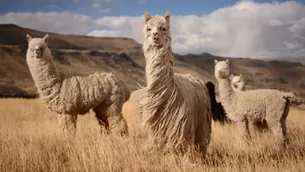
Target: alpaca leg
102,118
203,137
243,126
67,123
111,117
279,132
279,129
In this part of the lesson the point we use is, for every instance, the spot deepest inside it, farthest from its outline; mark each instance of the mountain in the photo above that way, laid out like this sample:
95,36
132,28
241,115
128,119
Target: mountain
124,57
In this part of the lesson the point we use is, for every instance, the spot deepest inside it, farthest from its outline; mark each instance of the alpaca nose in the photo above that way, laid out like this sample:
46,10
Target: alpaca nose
155,33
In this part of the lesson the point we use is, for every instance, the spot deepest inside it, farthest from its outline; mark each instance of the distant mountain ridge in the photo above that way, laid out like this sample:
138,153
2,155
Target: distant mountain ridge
124,57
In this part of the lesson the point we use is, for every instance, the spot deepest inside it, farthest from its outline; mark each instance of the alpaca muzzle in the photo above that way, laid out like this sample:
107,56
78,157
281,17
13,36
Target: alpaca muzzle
38,52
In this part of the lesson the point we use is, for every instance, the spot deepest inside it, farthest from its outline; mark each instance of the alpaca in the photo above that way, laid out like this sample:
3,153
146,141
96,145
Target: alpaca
238,84
246,107
69,96
218,112
175,108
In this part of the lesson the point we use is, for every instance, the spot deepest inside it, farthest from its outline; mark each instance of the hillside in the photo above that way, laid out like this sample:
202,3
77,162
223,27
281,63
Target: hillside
124,57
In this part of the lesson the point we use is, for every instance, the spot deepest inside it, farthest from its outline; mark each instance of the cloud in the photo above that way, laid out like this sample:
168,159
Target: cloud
97,5
246,29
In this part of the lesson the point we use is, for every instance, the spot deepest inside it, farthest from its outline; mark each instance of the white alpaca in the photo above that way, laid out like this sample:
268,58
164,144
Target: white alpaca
175,108
69,96
237,82
247,107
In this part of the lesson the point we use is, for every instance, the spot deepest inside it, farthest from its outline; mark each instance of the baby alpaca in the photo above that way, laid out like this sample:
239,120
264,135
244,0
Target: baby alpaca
69,96
238,84
175,108
246,107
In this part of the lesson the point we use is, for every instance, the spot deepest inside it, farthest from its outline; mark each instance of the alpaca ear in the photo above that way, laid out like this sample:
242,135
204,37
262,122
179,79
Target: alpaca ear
227,61
147,16
28,37
215,61
46,38
231,77
167,15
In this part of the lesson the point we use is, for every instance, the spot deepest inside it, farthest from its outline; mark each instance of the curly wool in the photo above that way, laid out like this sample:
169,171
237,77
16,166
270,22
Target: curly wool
175,108
247,107
63,94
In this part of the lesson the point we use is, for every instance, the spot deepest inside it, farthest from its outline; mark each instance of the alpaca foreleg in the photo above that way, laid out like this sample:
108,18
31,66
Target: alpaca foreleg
243,126
67,123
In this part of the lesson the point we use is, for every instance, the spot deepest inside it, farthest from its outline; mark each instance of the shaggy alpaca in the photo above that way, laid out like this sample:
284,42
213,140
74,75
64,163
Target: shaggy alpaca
69,96
218,112
175,108
246,107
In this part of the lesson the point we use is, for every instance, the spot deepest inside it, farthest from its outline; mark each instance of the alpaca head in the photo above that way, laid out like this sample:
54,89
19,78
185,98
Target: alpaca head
38,48
237,82
156,31
222,69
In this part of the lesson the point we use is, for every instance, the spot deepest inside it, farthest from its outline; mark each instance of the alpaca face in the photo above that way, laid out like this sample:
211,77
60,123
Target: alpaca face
37,47
157,31
222,69
237,82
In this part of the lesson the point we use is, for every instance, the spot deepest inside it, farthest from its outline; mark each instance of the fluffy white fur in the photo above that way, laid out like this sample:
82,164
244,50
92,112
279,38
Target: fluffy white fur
247,107
175,108
237,82
69,96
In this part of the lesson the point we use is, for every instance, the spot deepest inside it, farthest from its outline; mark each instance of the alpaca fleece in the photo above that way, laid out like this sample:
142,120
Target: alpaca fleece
69,96
246,107
238,84
175,108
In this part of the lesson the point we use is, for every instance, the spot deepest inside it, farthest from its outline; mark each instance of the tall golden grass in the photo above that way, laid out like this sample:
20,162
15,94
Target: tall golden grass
31,141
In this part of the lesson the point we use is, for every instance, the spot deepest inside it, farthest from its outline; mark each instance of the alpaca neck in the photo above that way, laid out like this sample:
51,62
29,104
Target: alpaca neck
225,90
45,75
159,69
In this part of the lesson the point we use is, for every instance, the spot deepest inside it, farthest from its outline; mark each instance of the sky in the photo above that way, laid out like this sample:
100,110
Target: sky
246,28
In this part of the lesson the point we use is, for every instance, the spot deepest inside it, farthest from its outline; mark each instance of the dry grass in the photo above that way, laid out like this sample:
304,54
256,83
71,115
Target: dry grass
31,141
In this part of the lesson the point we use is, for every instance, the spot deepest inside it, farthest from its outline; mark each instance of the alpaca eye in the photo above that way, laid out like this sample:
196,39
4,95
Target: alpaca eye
164,29
148,29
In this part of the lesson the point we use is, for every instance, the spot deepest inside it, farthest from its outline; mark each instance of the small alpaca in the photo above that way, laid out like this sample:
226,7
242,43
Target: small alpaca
238,84
246,107
175,108
218,112
69,96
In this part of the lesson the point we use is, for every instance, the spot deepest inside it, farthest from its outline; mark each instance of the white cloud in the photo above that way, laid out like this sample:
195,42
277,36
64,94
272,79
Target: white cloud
96,4
247,29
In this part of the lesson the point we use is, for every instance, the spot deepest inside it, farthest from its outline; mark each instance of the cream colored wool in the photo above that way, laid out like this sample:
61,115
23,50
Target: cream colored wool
175,108
237,82
69,96
247,107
